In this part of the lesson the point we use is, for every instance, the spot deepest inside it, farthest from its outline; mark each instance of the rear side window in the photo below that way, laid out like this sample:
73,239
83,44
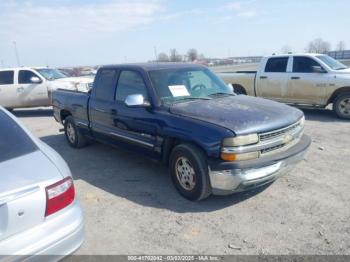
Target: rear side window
14,142
277,65
106,85
130,83
304,64
6,77
24,77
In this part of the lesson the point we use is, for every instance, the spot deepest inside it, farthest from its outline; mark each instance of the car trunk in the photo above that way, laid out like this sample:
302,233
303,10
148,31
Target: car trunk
22,192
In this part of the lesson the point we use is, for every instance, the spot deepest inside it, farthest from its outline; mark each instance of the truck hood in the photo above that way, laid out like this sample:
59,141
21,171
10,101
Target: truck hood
240,114
82,84
83,79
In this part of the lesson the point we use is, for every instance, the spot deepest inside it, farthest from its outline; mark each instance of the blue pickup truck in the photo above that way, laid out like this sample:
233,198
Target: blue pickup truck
213,140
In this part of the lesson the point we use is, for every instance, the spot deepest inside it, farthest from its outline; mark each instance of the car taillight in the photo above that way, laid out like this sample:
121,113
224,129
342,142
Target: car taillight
59,195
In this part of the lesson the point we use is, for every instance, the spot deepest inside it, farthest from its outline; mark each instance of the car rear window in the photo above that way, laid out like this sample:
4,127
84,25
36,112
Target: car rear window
14,142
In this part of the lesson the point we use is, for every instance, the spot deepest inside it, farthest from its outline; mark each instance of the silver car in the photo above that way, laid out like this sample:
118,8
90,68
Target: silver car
39,214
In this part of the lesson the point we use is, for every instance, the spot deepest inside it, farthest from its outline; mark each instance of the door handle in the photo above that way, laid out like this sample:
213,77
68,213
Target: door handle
295,77
263,77
99,110
20,89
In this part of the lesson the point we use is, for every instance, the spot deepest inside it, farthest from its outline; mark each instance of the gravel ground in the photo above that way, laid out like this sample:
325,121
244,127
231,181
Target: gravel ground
131,206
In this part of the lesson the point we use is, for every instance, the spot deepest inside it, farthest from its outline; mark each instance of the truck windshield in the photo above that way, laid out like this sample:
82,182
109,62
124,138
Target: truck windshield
14,142
51,74
332,63
186,84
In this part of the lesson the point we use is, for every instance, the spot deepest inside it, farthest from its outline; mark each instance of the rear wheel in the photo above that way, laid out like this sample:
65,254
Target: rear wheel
189,172
73,135
341,105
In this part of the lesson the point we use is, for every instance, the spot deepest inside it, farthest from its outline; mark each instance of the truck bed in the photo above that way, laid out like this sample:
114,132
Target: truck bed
243,79
71,101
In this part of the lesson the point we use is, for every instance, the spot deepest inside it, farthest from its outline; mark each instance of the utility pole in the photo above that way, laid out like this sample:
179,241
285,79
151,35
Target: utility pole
16,53
155,53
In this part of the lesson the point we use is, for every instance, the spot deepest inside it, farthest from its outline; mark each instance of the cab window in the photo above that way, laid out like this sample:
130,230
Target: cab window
130,83
6,77
106,85
277,65
24,77
304,65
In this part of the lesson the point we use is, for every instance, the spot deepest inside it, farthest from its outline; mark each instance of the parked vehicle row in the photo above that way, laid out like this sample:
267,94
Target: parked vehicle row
39,214
300,79
183,115
31,87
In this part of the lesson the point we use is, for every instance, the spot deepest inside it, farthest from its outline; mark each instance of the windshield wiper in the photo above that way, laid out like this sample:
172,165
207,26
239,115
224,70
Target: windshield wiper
341,68
221,94
191,98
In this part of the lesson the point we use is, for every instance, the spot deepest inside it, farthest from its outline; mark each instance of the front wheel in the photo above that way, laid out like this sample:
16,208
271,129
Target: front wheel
189,172
74,137
341,105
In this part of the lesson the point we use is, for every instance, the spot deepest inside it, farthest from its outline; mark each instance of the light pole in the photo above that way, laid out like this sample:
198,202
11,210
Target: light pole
16,53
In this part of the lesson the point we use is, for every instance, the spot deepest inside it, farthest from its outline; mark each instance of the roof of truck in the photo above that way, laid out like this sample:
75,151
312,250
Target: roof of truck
295,54
154,66
23,68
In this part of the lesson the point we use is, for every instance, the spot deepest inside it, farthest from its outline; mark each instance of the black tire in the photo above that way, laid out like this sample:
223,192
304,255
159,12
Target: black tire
78,141
341,105
197,159
239,90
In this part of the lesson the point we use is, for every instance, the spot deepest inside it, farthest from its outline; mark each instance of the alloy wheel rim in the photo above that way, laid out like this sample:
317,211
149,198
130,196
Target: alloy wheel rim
344,106
185,173
70,132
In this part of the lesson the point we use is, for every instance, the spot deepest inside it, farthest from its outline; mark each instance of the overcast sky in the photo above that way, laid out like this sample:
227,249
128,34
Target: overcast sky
91,32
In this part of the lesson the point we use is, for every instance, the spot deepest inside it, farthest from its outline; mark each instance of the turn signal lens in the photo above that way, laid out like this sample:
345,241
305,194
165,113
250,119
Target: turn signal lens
241,140
239,157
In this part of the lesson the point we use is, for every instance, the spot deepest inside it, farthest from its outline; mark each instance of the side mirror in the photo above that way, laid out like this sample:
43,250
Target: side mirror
318,69
35,80
136,100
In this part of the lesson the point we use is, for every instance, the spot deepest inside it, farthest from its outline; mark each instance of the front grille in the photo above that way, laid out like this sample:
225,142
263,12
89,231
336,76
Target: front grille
279,132
280,140
267,150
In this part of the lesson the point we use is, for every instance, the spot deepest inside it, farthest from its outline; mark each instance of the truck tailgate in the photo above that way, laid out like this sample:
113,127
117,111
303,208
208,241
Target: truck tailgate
74,102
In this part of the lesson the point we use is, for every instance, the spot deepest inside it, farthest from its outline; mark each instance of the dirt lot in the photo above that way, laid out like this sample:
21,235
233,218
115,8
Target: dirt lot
131,206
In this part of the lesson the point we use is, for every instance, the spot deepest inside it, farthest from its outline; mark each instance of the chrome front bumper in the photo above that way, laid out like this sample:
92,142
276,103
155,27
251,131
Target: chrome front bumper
226,182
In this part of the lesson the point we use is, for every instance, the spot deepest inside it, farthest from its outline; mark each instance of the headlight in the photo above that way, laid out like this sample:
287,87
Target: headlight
241,140
236,142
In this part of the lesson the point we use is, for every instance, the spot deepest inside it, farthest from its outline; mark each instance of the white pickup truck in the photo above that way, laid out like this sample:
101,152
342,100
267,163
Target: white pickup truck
300,79
31,87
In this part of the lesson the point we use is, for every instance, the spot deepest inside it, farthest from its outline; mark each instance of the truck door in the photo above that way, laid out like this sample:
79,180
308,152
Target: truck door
8,92
114,122
272,81
133,125
32,89
307,83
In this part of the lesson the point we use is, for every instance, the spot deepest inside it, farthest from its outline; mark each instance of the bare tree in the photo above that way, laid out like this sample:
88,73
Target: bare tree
341,46
192,54
174,56
318,46
286,49
163,57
